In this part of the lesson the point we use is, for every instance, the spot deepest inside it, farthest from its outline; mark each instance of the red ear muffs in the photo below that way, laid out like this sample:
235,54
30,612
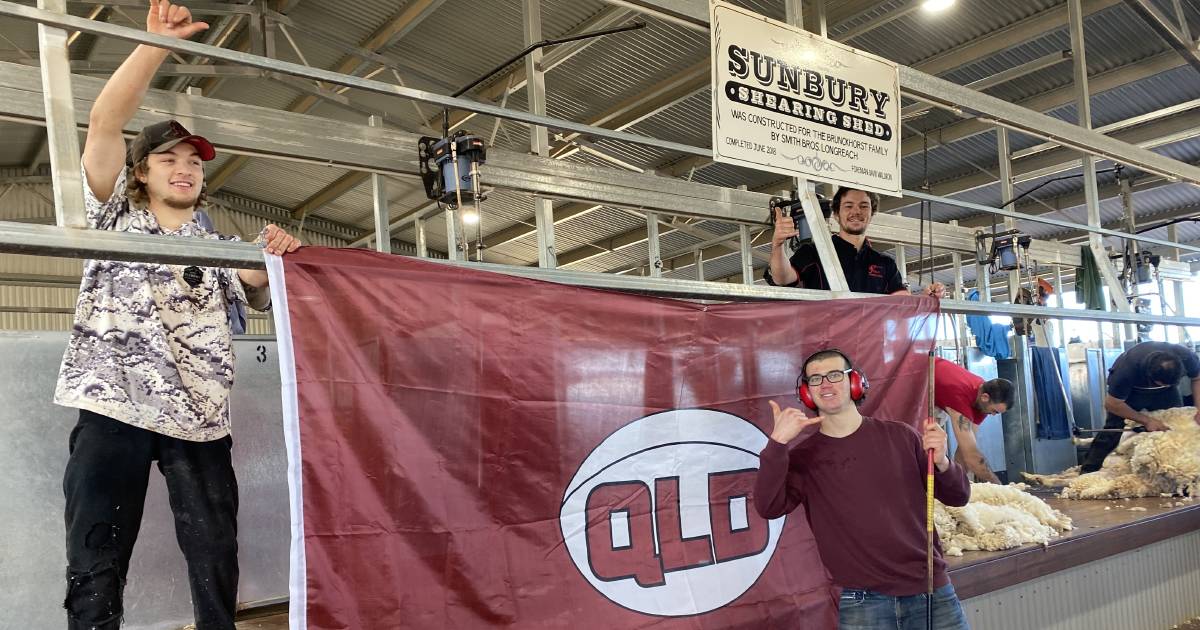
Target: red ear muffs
858,389
804,394
858,386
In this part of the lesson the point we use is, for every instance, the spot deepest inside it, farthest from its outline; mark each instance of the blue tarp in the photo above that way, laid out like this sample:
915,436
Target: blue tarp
992,338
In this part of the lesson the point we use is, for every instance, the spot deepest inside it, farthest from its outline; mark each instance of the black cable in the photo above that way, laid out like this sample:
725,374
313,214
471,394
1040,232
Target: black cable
1166,223
924,187
528,49
929,212
1115,169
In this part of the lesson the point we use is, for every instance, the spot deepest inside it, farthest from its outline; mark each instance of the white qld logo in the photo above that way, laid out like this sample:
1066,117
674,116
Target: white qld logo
659,519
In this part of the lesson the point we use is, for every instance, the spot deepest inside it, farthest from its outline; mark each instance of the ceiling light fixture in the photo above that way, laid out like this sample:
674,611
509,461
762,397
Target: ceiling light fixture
934,6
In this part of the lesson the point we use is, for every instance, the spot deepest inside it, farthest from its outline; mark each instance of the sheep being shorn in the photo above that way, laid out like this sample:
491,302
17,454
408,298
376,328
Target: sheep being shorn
1143,465
997,518
1171,457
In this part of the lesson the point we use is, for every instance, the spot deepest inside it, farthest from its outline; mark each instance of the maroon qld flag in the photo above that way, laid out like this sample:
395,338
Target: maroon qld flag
473,450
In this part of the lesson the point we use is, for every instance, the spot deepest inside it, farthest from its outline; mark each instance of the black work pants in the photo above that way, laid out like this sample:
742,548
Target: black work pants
1140,400
105,488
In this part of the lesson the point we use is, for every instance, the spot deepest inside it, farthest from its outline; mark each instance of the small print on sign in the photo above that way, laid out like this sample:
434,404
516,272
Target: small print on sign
788,101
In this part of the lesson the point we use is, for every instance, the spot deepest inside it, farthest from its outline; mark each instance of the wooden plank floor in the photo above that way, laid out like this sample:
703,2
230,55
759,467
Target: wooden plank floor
274,622
1089,518
1102,528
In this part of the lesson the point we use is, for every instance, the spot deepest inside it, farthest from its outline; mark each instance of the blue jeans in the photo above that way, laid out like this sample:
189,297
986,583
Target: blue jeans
868,610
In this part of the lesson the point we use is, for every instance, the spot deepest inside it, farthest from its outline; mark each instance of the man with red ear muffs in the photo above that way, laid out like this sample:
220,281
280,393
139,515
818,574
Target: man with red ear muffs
861,481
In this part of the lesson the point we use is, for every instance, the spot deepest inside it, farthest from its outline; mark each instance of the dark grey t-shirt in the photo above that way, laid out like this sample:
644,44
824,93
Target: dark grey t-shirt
1130,370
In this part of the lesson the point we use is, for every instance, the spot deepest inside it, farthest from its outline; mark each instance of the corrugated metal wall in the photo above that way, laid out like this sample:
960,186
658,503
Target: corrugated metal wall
24,201
1152,588
50,285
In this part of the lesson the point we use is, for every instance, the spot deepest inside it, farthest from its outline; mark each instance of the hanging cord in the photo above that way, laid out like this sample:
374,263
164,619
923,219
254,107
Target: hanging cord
959,350
929,217
1165,224
924,205
1115,169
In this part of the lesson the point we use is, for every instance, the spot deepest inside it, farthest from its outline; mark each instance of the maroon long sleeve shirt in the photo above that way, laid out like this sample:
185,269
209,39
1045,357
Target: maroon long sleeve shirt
864,496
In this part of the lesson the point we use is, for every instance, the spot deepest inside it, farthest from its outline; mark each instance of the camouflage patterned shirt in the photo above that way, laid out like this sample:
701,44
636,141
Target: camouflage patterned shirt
147,348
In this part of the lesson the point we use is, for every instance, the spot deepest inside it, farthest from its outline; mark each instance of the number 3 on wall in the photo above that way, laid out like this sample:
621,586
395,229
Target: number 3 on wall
261,357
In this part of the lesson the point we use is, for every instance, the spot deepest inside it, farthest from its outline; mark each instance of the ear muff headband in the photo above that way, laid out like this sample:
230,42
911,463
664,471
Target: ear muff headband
858,381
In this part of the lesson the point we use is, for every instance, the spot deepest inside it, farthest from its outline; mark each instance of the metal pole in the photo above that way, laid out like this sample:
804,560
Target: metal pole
539,140
983,282
1004,153
1059,289
268,30
62,137
1090,188
453,239
822,239
1182,17
700,266
655,255
901,262
821,27
1176,285
419,232
826,254
793,11
1132,271
747,258
383,235
959,322
1180,309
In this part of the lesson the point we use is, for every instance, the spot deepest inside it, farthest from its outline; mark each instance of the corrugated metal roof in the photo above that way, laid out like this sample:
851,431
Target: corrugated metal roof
282,182
17,143
920,35
620,68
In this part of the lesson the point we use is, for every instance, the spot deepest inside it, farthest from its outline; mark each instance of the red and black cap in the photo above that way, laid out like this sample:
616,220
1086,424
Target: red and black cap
162,136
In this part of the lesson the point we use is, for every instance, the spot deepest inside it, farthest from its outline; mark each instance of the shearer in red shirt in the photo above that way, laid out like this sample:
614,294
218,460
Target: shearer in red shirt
862,484
968,400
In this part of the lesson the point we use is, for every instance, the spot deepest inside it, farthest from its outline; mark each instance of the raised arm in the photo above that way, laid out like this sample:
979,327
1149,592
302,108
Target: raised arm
777,489
782,271
104,151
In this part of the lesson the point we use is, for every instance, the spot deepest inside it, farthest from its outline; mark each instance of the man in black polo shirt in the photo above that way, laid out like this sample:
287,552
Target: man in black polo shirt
866,270
1145,378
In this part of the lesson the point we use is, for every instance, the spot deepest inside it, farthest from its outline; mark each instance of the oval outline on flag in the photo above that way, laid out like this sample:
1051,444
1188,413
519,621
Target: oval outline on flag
703,442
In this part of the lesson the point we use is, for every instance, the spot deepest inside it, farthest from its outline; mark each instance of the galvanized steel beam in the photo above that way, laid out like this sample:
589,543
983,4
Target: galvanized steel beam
1161,24
63,139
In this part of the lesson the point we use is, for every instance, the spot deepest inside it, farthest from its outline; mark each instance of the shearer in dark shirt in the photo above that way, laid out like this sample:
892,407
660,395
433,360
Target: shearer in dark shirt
1144,378
866,270
862,484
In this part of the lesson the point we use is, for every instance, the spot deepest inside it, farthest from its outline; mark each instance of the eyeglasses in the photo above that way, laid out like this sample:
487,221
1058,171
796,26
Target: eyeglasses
836,376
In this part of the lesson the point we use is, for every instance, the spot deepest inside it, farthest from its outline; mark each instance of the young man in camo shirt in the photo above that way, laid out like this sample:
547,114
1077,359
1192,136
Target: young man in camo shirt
150,360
